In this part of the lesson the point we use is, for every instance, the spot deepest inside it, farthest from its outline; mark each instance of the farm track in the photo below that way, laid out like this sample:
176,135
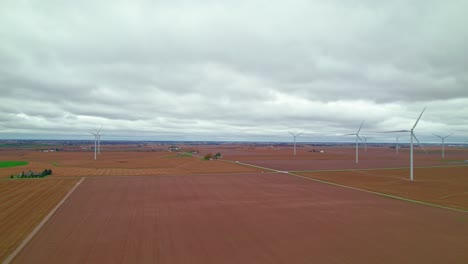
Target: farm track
441,186
140,233
251,218
23,204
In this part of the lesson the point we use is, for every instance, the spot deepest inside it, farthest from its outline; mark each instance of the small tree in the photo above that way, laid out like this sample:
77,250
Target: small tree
218,155
208,156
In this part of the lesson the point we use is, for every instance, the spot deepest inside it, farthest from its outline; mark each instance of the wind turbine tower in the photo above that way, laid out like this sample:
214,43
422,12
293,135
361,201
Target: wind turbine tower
95,143
357,141
294,136
412,136
98,135
397,147
443,143
365,143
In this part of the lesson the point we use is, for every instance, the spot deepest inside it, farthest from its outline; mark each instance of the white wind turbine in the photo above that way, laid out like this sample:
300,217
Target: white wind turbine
443,143
412,136
357,141
397,147
365,143
95,143
294,136
98,135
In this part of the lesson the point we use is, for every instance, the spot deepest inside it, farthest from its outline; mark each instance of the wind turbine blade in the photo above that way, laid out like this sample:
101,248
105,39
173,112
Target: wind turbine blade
360,127
353,134
437,135
291,133
415,124
359,138
419,143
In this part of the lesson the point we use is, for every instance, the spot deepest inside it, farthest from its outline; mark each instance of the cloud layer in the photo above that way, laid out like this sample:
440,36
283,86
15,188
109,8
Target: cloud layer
232,70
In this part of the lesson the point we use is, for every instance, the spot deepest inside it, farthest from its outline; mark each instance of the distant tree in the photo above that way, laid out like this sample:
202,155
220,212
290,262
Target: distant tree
218,155
208,156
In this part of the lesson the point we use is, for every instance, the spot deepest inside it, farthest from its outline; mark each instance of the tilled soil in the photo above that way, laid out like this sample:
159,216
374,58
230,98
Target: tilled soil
251,218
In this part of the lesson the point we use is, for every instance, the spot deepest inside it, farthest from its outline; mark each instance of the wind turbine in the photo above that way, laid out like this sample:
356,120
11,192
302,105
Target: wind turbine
412,135
95,142
98,135
365,143
397,147
443,143
294,136
357,141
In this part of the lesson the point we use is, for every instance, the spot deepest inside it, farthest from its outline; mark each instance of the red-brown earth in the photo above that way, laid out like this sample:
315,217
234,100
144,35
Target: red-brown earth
251,218
225,214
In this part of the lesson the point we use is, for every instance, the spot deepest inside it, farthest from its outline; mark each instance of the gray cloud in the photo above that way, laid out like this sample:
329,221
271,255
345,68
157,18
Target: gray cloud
243,68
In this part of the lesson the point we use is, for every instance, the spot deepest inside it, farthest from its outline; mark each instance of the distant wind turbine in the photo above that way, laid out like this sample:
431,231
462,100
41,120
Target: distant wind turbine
397,147
443,143
98,133
412,136
357,141
294,136
365,143
95,142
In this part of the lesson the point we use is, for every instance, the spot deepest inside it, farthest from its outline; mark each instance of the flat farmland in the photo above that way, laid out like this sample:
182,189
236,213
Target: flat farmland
250,218
78,164
446,186
23,204
338,158
127,163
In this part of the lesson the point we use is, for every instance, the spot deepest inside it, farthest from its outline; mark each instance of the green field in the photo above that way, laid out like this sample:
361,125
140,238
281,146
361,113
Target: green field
6,164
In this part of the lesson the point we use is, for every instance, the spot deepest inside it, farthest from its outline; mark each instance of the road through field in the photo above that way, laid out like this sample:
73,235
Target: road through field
250,218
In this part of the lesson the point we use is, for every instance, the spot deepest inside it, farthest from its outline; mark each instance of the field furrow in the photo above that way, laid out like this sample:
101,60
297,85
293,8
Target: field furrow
27,202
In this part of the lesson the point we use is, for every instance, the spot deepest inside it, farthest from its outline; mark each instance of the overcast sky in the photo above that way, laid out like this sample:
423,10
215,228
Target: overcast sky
232,70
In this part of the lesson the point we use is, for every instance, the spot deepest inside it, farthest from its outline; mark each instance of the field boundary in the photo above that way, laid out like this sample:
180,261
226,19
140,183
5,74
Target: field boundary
379,193
251,165
395,168
363,190
40,225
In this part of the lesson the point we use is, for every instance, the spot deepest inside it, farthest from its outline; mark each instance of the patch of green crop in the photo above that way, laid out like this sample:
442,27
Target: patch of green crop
6,164
179,155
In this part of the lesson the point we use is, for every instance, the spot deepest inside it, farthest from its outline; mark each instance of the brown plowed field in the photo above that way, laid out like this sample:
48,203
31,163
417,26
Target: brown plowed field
257,218
79,164
227,214
310,165
441,186
23,204
330,153
335,158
